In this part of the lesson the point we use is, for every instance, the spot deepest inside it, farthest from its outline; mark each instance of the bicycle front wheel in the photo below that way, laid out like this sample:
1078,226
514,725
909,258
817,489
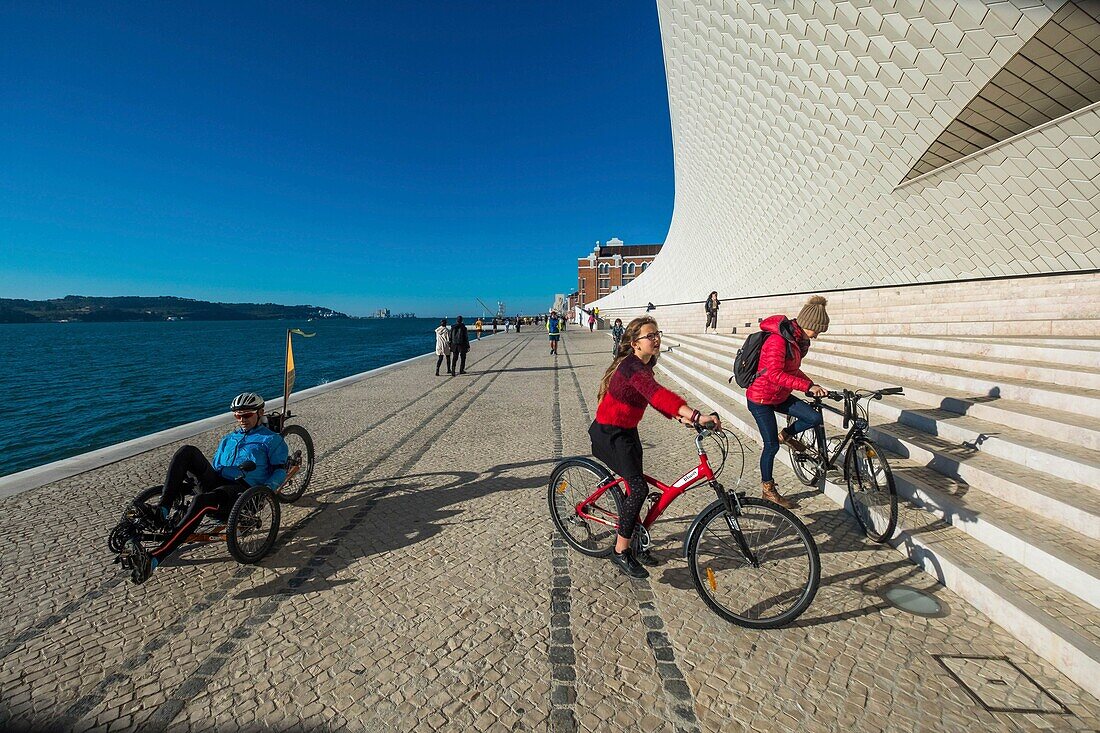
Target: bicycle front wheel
760,569
573,481
871,490
300,457
253,525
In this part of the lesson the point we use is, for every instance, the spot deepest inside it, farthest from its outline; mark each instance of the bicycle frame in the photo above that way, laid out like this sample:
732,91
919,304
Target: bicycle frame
669,492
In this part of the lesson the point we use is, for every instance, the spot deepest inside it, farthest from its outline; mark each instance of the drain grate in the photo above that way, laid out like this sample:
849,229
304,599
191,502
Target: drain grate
1000,686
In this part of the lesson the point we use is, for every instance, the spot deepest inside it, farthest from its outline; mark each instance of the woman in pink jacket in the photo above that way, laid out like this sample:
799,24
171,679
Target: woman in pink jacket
778,374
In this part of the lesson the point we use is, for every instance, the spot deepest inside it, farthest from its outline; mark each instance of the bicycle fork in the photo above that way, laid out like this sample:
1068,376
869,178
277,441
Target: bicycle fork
732,501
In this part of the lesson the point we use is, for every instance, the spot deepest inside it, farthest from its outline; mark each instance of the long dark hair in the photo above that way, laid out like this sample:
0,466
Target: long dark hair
626,348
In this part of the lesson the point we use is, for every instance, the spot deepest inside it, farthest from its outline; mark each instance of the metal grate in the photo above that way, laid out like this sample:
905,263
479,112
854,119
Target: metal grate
999,686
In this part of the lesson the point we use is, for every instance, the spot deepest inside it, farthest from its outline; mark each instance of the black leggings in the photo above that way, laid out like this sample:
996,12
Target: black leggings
621,450
456,359
213,493
439,362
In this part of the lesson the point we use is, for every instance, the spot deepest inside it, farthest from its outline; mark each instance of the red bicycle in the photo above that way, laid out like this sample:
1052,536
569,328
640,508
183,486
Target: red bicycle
753,562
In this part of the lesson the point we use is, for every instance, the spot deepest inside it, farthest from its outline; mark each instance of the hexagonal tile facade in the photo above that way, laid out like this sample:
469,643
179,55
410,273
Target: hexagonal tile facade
796,122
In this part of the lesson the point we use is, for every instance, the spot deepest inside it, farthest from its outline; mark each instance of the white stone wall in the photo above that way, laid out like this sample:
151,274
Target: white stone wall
794,123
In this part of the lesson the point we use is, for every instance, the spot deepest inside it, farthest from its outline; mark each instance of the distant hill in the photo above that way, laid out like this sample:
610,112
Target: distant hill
160,308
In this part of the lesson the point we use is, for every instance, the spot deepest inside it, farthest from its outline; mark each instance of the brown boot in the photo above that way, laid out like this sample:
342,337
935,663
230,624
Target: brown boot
769,493
791,442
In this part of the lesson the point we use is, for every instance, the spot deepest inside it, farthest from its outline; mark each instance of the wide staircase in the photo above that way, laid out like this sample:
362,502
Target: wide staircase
995,445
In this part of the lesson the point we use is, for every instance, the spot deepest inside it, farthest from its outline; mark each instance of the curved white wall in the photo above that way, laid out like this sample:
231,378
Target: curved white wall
794,122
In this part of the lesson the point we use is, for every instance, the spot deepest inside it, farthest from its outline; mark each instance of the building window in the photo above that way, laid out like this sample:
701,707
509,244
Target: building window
583,283
605,269
644,265
628,269
604,283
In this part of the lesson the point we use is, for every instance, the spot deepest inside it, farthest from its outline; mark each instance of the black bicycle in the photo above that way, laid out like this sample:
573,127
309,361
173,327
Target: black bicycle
866,471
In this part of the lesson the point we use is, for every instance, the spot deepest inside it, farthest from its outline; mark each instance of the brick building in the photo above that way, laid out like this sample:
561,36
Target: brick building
610,266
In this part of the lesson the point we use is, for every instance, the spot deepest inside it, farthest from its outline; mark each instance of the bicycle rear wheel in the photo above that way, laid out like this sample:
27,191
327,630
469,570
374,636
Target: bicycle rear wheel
300,445
573,481
770,593
806,467
871,490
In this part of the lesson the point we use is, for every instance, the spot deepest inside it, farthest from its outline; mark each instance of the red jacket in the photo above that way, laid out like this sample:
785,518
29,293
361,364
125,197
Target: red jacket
632,387
778,372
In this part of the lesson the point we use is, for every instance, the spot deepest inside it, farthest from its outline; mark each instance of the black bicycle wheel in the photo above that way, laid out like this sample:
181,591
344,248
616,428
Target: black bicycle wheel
871,490
783,581
253,525
573,481
806,466
299,463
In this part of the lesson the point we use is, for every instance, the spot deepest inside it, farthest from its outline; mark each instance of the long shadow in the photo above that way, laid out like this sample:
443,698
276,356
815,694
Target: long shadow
427,503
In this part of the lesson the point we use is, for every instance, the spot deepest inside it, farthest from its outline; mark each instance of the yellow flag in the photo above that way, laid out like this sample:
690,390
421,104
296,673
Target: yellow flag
288,382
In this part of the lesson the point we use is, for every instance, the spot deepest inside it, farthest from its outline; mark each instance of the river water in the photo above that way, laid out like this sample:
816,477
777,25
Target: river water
68,388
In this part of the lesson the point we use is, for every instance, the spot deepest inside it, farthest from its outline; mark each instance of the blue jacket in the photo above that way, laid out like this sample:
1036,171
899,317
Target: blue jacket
260,445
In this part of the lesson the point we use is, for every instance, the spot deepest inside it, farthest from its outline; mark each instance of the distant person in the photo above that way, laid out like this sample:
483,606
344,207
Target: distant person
553,330
778,374
711,309
496,321
443,347
478,325
591,321
460,345
507,325
218,484
519,322
617,335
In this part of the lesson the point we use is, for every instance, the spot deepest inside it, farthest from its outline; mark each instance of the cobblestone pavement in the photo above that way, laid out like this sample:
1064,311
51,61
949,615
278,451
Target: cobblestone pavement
419,586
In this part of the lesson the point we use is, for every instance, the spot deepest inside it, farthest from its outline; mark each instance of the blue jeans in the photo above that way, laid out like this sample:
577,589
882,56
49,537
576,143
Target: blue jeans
805,418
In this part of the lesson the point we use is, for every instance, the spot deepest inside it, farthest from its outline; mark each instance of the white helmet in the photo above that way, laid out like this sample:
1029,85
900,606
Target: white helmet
246,402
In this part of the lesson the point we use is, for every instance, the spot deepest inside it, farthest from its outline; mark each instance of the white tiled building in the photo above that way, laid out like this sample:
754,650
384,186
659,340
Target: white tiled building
845,144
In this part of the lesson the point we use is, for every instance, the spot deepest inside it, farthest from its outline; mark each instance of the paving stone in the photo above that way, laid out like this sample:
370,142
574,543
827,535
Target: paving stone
434,608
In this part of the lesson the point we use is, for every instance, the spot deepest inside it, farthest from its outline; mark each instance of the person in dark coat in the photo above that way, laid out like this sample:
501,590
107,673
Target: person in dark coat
460,345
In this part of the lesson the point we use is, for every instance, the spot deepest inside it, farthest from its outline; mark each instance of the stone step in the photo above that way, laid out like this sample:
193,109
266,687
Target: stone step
1067,352
1081,343
1075,506
1047,371
1053,622
1030,419
968,437
1069,559
1025,326
1070,399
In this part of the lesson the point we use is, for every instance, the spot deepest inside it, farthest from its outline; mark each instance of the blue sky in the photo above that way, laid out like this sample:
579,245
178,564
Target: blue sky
409,155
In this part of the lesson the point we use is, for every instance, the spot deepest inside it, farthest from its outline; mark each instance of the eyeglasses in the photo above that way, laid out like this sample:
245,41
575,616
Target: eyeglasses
244,413
655,336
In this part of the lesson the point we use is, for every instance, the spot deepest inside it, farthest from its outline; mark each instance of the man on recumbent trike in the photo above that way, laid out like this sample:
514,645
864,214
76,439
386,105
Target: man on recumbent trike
251,456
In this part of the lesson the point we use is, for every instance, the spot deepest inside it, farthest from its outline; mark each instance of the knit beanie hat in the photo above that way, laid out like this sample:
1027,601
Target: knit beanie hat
813,315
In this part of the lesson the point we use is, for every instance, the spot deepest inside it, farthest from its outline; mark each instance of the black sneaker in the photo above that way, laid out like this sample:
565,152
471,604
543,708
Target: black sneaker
629,565
645,557
143,515
137,560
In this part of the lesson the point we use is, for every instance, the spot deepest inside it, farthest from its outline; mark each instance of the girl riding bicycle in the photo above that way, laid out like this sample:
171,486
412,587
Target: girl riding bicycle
627,387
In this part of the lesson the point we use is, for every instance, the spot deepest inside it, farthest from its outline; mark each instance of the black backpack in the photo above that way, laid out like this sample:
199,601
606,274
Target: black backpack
747,361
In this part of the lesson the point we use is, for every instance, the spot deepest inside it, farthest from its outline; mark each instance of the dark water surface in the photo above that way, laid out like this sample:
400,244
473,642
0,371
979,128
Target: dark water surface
68,388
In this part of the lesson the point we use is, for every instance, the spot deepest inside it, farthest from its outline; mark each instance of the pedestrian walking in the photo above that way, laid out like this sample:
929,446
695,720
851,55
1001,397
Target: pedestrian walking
507,325
553,330
519,322
460,345
778,373
591,321
617,335
495,322
477,327
711,309
443,346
